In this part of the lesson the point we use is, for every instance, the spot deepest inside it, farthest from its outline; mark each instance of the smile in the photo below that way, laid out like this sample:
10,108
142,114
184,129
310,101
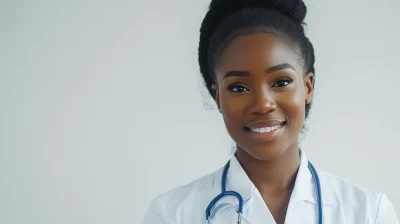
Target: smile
265,129
265,134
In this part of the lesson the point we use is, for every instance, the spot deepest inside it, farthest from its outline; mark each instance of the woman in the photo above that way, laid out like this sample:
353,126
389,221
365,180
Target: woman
258,65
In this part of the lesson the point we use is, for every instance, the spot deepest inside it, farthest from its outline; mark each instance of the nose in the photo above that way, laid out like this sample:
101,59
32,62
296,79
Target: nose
263,102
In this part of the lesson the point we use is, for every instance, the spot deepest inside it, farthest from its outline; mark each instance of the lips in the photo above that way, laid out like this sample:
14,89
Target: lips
264,124
265,130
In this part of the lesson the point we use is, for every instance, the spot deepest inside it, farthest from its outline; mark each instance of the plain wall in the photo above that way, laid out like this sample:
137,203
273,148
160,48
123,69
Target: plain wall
102,105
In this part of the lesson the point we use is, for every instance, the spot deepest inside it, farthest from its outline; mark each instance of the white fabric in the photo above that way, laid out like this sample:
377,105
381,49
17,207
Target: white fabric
343,202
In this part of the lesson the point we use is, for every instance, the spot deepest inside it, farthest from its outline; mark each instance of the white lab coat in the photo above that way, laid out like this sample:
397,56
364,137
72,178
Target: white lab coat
343,202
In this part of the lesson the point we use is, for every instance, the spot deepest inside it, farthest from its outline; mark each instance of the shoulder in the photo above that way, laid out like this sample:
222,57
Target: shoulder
342,188
357,200
184,203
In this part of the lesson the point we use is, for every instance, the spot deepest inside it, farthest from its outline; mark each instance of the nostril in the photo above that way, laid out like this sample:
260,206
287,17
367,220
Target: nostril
264,106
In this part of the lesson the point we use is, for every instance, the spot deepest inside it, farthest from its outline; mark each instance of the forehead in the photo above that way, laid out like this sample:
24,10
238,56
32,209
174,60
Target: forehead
259,50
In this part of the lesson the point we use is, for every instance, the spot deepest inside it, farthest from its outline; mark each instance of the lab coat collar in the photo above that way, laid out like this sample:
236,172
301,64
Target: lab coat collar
237,179
304,188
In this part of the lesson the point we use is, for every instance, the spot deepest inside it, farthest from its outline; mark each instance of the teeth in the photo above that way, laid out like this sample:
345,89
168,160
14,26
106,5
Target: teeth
265,130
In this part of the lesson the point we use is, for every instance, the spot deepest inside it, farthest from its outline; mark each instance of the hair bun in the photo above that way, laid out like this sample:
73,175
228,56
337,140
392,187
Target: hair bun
294,9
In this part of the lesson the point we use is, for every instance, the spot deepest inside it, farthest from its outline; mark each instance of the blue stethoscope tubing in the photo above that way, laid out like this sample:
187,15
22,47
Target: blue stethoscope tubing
225,193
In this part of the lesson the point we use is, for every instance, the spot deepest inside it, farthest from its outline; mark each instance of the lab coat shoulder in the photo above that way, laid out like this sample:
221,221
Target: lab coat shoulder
356,202
184,204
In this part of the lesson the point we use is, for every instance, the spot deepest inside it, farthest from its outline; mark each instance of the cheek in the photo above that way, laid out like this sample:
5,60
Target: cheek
234,113
293,105
232,110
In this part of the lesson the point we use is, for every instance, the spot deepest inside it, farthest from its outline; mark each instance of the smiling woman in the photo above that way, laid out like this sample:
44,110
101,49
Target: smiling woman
262,89
258,65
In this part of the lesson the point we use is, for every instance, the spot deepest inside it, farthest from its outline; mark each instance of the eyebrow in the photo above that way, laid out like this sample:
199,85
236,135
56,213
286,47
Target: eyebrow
267,71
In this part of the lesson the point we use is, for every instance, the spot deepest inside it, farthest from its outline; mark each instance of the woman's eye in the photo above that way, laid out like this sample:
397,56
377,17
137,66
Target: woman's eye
237,88
282,82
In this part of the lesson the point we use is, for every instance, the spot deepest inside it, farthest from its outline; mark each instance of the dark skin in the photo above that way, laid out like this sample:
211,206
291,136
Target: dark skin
260,80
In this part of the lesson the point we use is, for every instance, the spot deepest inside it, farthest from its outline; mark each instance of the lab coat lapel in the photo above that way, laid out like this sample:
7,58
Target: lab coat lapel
306,213
255,210
236,180
302,205
303,199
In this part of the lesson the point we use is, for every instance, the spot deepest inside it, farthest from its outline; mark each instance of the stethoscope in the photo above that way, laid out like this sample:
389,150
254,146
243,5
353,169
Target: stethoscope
224,193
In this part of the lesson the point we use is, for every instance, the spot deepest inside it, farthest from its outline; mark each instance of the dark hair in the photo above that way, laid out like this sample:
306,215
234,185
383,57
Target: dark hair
227,19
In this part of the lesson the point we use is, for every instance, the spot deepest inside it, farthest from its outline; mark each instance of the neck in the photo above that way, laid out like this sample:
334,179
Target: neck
276,175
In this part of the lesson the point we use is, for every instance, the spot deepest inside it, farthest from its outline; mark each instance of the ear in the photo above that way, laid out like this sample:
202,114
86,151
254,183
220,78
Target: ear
309,84
216,96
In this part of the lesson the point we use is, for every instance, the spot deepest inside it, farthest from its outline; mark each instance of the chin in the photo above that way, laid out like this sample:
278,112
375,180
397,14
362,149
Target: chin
266,152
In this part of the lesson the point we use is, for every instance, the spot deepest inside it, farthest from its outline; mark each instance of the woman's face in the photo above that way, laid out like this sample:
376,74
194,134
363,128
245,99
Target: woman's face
262,92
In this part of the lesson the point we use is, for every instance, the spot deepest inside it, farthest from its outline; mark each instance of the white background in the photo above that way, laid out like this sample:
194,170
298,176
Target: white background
102,106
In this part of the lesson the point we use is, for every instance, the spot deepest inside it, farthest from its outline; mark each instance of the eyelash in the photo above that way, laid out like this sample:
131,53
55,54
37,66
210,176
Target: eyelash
280,80
283,79
233,86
